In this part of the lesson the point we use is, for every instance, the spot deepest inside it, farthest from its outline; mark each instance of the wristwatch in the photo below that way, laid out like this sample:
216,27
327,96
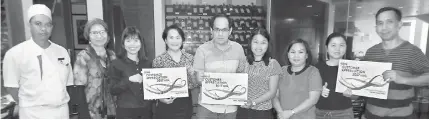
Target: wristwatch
253,103
293,112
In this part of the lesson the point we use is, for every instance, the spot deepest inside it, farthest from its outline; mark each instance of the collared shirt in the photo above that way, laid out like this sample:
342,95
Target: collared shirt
209,58
130,94
166,61
405,58
40,82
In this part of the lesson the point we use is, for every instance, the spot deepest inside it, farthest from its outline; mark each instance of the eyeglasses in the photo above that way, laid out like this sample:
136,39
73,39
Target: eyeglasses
221,30
102,32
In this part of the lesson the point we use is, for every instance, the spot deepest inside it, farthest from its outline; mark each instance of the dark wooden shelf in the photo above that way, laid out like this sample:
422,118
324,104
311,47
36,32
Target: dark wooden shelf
209,16
234,30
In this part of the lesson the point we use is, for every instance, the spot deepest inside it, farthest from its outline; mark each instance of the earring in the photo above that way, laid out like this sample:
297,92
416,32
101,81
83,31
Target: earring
326,56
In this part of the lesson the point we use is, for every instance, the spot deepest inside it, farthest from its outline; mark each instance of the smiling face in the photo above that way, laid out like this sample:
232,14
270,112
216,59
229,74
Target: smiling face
41,27
132,44
388,25
174,40
297,54
98,35
336,48
259,45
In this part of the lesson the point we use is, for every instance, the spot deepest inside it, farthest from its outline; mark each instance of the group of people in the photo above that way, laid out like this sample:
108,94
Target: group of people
37,71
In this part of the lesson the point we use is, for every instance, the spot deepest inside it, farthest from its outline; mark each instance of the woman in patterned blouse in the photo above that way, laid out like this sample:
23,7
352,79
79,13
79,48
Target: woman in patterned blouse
178,108
90,70
263,77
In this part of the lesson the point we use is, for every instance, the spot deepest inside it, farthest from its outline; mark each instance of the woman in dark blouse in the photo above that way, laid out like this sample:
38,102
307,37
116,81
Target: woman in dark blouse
127,80
175,108
333,105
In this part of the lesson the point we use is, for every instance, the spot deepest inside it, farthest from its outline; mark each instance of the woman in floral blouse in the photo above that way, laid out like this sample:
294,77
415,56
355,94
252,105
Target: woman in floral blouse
263,78
178,108
90,70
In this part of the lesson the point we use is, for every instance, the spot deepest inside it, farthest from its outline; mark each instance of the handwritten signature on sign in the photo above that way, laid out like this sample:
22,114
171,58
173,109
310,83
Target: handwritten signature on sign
156,88
348,82
237,91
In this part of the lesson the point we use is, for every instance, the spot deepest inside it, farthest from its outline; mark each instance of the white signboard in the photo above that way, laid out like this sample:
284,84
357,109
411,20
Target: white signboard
224,88
165,83
363,78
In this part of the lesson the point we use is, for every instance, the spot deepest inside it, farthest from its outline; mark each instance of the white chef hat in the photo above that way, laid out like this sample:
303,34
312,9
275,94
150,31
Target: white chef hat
37,9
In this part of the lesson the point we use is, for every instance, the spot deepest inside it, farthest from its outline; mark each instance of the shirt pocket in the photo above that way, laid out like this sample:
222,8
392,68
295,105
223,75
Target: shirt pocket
63,69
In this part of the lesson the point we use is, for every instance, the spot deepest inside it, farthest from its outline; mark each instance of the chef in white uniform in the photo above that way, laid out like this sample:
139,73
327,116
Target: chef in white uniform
37,71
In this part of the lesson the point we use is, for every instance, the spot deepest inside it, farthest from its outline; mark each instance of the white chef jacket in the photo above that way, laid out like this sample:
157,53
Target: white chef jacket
21,69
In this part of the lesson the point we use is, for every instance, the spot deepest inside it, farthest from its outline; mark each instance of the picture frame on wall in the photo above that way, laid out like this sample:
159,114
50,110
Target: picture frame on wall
79,22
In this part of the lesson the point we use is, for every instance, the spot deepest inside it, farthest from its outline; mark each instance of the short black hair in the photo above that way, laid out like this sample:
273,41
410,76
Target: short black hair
173,27
334,35
397,12
308,61
219,16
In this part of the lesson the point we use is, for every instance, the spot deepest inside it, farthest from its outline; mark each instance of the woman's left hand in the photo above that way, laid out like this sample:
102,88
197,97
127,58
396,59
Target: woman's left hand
285,114
248,104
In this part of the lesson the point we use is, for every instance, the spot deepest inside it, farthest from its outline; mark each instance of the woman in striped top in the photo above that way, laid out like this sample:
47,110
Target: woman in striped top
263,77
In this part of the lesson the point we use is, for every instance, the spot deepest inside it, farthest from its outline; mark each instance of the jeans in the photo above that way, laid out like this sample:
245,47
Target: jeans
204,113
334,114
244,113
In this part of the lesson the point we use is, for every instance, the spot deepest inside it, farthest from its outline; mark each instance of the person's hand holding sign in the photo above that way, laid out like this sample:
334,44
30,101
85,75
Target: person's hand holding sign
167,100
395,76
347,93
136,78
248,104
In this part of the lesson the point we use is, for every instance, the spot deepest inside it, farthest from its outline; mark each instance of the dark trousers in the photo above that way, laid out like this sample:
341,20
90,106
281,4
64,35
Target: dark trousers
181,108
134,113
244,113
204,113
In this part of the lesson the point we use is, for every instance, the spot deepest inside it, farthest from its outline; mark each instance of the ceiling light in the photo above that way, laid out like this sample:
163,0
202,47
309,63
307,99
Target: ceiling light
316,15
400,7
289,19
309,6
350,16
359,7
